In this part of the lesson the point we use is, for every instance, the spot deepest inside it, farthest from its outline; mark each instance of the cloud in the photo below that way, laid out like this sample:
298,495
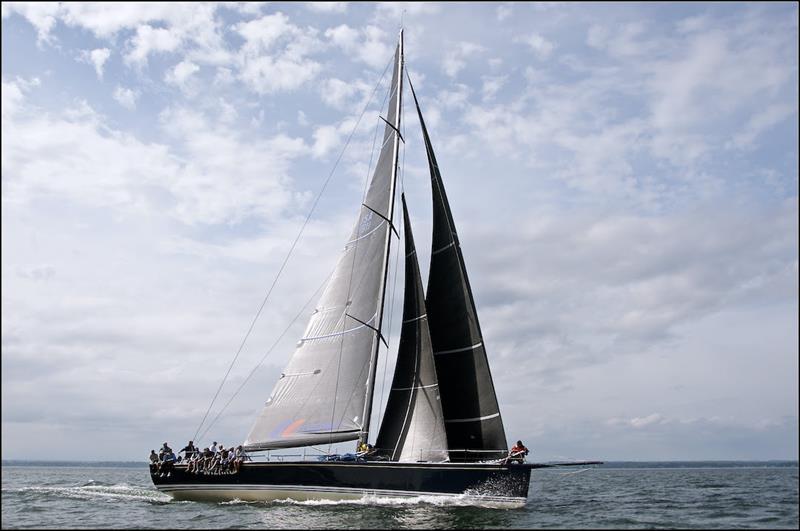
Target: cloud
540,46
621,41
97,58
181,74
504,11
762,121
368,45
326,138
327,7
491,85
14,94
341,94
455,58
148,40
274,55
126,97
395,10
641,422
43,16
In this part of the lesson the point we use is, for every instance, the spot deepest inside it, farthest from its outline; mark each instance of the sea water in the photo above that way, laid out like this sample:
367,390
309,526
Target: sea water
614,495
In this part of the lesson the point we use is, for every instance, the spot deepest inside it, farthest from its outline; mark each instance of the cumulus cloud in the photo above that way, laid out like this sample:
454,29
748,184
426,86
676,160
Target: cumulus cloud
368,45
327,7
181,74
491,85
455,58
97,58
149,40
274,55
126,97
541,47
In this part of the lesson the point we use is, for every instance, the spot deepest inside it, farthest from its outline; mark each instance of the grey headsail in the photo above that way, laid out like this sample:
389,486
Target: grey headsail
323,392
472,418
413,424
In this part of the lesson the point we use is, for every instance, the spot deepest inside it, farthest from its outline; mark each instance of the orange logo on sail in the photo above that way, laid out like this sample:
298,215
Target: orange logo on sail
291,428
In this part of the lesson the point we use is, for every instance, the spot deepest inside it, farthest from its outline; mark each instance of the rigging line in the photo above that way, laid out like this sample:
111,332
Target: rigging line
264,357
291,249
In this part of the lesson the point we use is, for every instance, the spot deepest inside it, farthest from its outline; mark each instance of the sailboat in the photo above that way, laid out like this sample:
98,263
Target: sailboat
442,433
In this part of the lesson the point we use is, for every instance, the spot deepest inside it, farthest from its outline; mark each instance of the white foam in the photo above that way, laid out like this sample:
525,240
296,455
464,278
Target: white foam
461,500
92,491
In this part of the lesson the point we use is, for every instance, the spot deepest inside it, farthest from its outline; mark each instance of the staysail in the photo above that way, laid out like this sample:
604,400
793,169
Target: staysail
472,418
413,424
324,393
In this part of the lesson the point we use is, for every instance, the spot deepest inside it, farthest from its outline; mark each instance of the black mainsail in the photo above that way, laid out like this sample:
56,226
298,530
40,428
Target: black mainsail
413,423
324,394
472,418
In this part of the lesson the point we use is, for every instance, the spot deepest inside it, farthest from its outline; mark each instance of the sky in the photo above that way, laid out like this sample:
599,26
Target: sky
623,177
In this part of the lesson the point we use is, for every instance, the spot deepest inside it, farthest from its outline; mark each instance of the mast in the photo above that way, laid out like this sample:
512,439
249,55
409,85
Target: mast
373,362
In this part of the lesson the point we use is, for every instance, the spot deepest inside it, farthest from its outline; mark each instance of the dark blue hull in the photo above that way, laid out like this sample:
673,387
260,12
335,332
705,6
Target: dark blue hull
505,485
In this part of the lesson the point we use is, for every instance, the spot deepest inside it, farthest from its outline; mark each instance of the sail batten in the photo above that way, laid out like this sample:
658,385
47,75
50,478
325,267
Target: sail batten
471,412
330,402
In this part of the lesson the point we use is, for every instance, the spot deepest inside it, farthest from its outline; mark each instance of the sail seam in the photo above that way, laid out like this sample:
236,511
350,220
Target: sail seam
475,419
455,350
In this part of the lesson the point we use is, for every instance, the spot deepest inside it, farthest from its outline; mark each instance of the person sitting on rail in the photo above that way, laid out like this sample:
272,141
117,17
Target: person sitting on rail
194,462
166,465
153,461
517,453
239,456
224,460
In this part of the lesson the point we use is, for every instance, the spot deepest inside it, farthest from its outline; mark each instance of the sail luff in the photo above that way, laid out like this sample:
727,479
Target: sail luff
373,362
474,425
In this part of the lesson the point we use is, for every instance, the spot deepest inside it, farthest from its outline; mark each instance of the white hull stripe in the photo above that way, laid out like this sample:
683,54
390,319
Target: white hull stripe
455,350
474,419
308,489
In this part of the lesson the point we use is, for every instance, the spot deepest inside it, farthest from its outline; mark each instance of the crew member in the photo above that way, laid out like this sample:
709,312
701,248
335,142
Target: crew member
517,453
